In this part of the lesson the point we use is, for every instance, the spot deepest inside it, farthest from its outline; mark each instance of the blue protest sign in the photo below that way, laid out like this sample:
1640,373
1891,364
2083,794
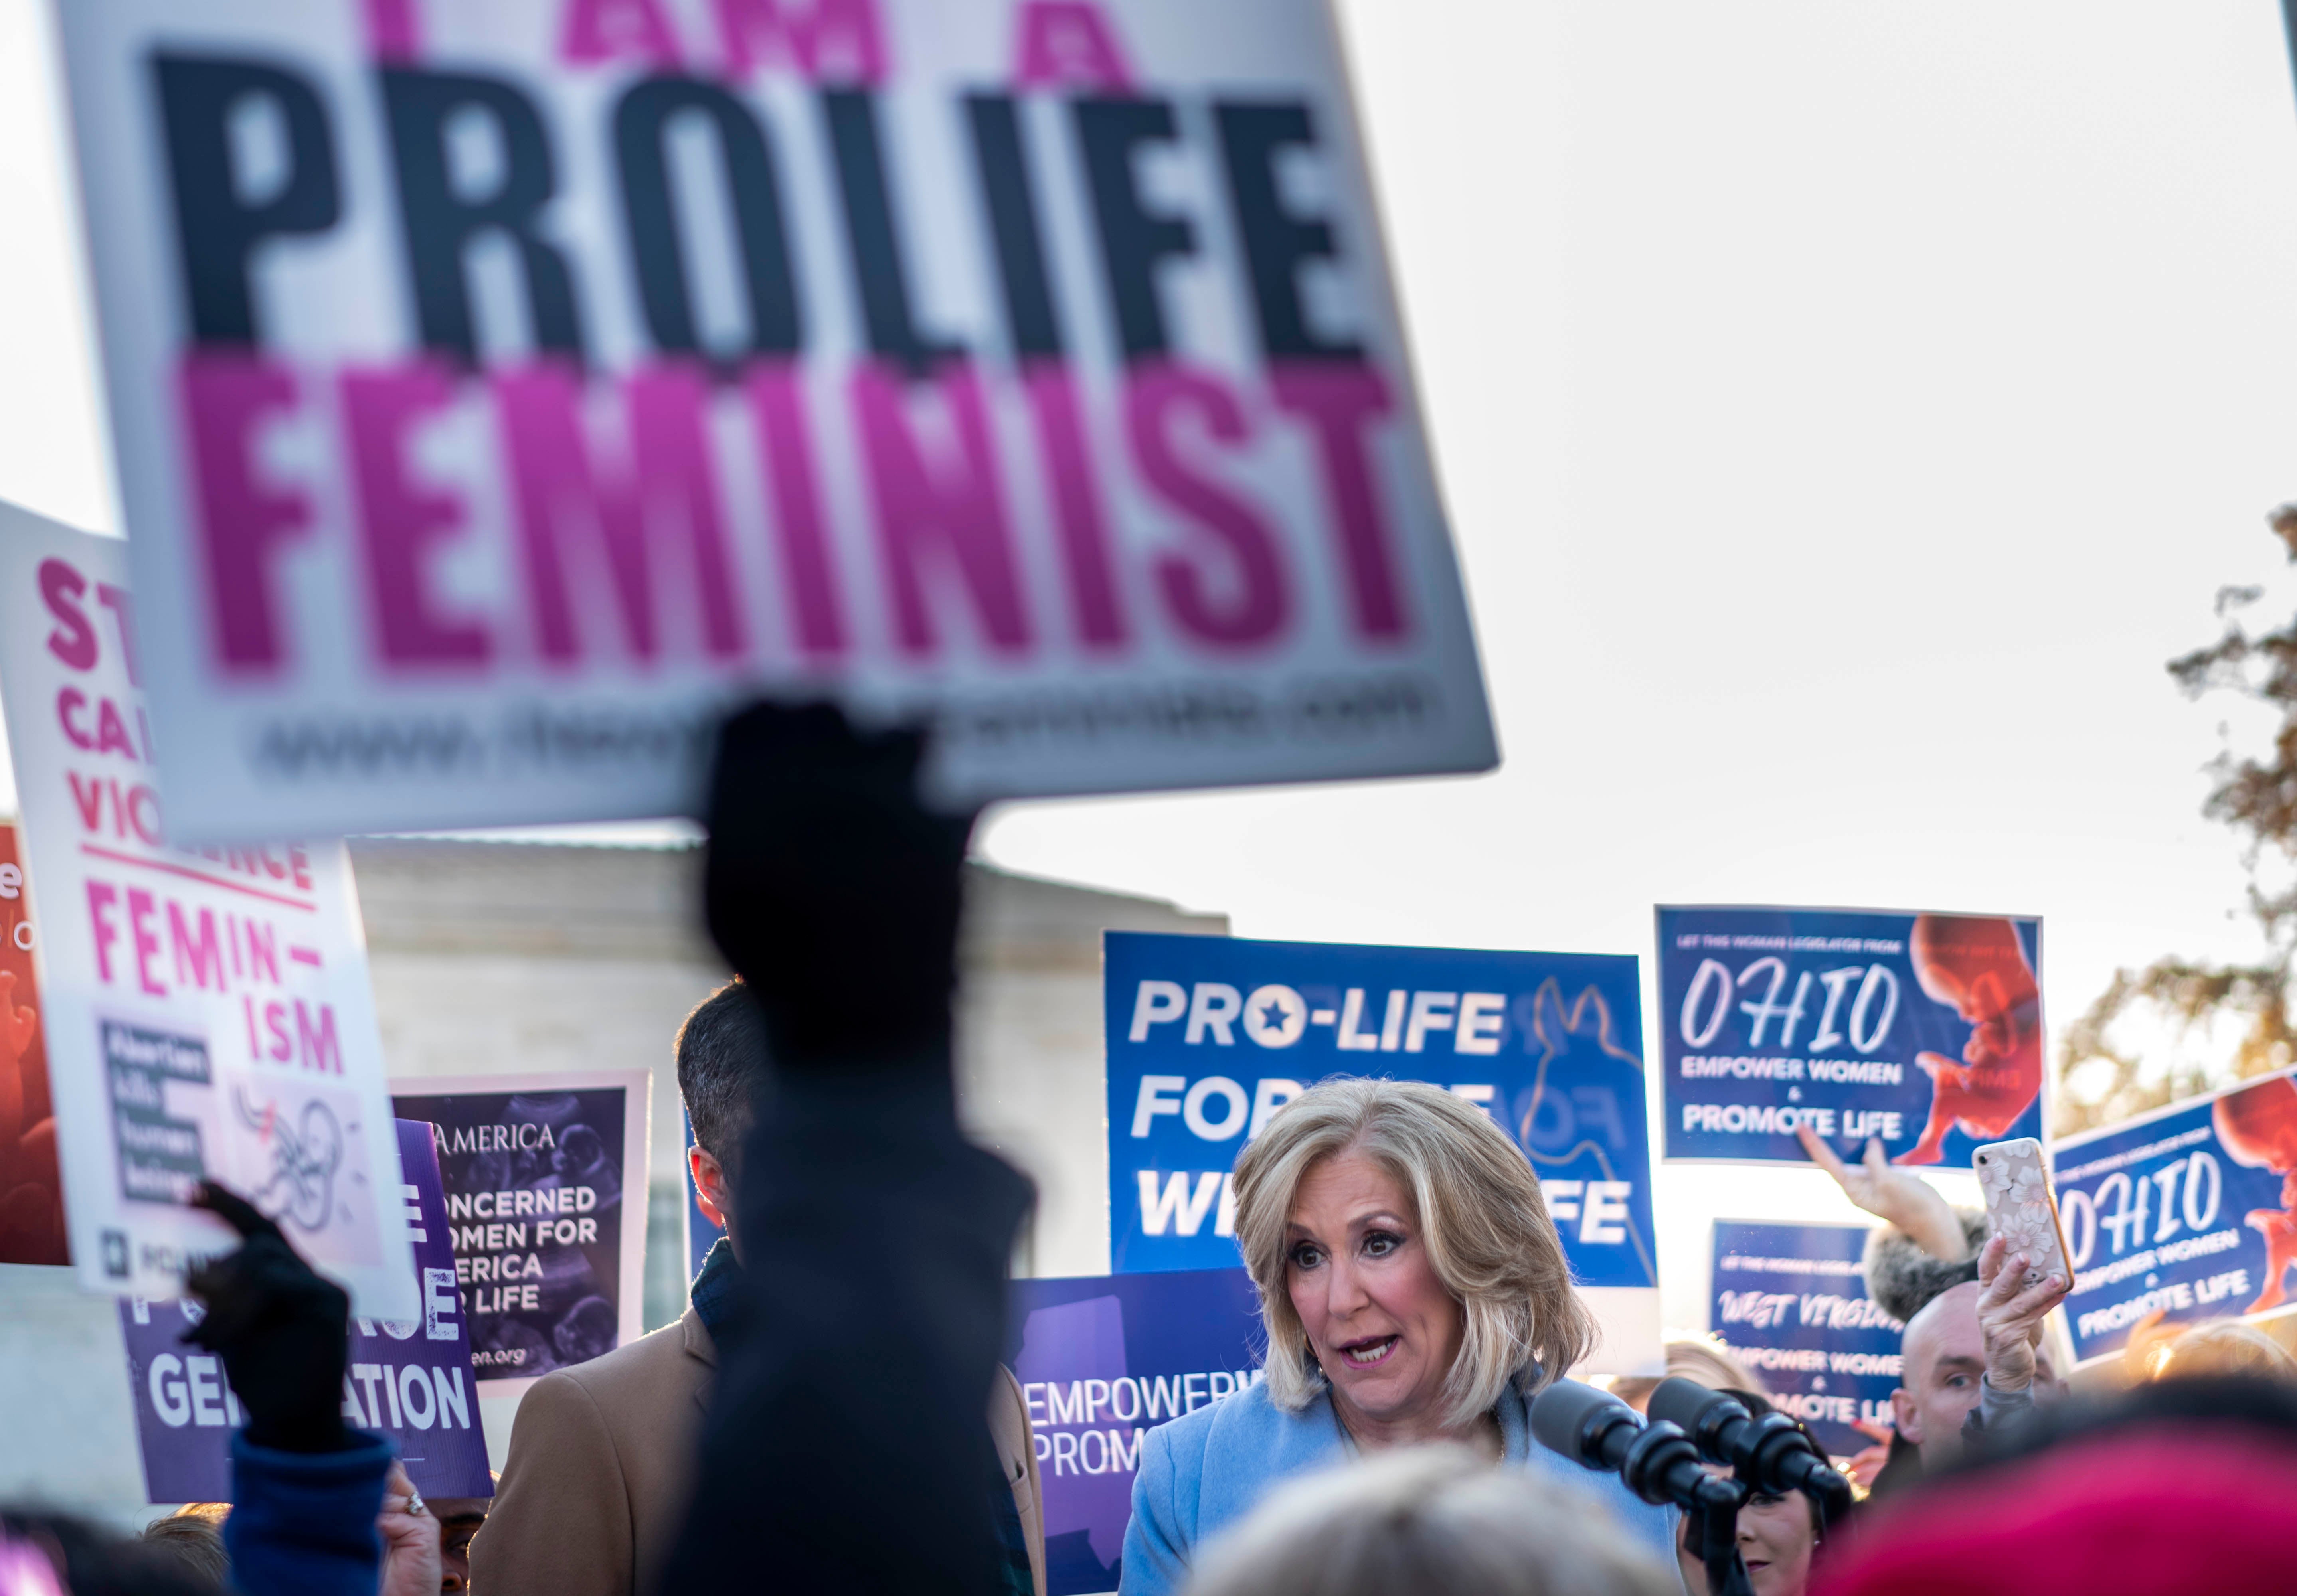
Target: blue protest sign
1208,1036
411,1381
1791,1302
2192,1210
1102,1360
1923,1029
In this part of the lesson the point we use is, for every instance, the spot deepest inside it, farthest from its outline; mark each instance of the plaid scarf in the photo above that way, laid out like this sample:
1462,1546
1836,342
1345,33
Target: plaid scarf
718,1289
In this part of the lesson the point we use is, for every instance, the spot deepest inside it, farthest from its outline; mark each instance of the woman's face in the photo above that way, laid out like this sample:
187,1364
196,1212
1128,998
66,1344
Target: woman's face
1378,1321
1775,1537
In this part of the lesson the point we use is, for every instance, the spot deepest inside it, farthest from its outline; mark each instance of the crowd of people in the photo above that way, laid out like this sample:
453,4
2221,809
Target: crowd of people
829,1414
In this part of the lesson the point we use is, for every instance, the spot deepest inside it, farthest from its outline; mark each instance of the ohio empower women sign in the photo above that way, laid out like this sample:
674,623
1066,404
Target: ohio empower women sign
502,386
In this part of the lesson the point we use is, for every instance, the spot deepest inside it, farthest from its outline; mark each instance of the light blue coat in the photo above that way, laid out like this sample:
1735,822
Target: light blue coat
1207,1469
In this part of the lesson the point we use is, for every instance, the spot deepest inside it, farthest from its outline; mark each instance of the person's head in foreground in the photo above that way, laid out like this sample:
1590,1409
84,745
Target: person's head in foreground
1432,1520
192,1535
2221,1347
1777,1535
2175,1485
1405,1262
1943,1351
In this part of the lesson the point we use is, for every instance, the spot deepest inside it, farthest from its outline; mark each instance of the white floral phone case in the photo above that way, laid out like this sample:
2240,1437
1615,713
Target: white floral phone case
2020,1207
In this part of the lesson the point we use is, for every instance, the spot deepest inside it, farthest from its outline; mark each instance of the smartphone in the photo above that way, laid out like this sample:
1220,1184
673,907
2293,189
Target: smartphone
2020,1206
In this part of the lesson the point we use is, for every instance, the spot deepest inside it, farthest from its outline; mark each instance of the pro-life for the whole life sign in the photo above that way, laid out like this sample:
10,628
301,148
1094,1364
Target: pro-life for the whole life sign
410,1380
1920,1031
502,386
206,1014
1209,1036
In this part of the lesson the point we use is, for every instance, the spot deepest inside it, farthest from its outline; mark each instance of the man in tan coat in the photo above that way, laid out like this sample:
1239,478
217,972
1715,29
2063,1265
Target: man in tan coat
601,1456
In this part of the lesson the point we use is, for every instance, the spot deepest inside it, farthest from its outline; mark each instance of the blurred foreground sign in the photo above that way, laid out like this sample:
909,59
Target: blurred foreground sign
1102,1360
501,386
1208,1036
2190,1211
1791,1302
410,1380
1923,1031
207,1015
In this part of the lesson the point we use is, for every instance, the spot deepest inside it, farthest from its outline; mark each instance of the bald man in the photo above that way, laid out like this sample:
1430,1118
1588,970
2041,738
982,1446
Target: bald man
1974,1356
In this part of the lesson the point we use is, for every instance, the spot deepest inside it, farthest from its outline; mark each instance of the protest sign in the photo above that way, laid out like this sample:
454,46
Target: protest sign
206,1014
1102,1360
1791,1302
501,390
546,1182
1208,1036
1921,1030
31,1186
2192,1210
409,1380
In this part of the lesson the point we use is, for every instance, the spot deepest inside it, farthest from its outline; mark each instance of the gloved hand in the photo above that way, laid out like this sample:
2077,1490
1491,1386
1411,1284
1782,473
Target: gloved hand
831,888
283,1332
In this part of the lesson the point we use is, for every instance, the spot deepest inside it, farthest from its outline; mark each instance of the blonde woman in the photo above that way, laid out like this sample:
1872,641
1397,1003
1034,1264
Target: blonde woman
1414,1291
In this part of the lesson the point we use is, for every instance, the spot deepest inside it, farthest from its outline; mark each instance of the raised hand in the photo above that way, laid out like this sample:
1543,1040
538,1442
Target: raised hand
2009,1316
1905,1200
830,887
283,1332
410,1539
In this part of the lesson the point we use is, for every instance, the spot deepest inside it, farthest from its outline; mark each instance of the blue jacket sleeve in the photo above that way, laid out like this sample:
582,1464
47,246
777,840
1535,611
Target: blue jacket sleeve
302,1524
1156,1560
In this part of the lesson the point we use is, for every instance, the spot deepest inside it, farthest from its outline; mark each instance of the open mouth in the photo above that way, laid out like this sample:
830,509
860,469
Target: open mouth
1366,1355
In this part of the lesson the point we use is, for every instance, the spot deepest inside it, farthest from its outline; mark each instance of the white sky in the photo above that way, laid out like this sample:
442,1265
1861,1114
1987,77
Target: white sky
1845,406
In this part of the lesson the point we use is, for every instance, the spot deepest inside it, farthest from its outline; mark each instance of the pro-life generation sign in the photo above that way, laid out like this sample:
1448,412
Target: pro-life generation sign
1209,1036
500,388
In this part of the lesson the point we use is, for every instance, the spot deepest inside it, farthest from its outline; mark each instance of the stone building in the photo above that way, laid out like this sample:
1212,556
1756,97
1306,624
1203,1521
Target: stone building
517,958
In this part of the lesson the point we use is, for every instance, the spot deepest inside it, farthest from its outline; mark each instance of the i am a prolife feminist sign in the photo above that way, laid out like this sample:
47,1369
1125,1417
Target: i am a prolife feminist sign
502,386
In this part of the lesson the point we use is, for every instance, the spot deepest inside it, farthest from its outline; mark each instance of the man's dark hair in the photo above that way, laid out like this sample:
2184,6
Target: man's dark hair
723,1063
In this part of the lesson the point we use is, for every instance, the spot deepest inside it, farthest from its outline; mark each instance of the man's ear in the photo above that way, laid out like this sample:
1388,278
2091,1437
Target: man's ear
1909,1416
709,1186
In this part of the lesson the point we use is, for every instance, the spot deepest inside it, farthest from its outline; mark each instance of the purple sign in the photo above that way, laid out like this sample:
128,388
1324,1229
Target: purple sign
1102,1360
411,1381
547,1255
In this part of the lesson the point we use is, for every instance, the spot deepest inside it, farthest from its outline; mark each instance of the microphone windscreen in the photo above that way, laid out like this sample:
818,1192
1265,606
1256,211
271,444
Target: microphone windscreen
1560,1415
1684,1403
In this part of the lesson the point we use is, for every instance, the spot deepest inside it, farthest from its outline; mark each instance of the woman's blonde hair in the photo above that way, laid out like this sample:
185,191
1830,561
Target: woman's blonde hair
1430,1518
1479,1214
1691,1356
2221,1347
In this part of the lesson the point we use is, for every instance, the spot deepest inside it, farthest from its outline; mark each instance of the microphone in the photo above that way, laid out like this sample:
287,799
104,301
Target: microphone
1657,1462
1771,1455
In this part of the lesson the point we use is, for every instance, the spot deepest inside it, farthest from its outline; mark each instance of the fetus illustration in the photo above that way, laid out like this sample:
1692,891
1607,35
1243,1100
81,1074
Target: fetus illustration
2258,1127
1977,967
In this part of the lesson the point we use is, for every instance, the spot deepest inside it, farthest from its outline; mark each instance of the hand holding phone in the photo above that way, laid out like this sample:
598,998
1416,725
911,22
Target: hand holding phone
2020,1208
